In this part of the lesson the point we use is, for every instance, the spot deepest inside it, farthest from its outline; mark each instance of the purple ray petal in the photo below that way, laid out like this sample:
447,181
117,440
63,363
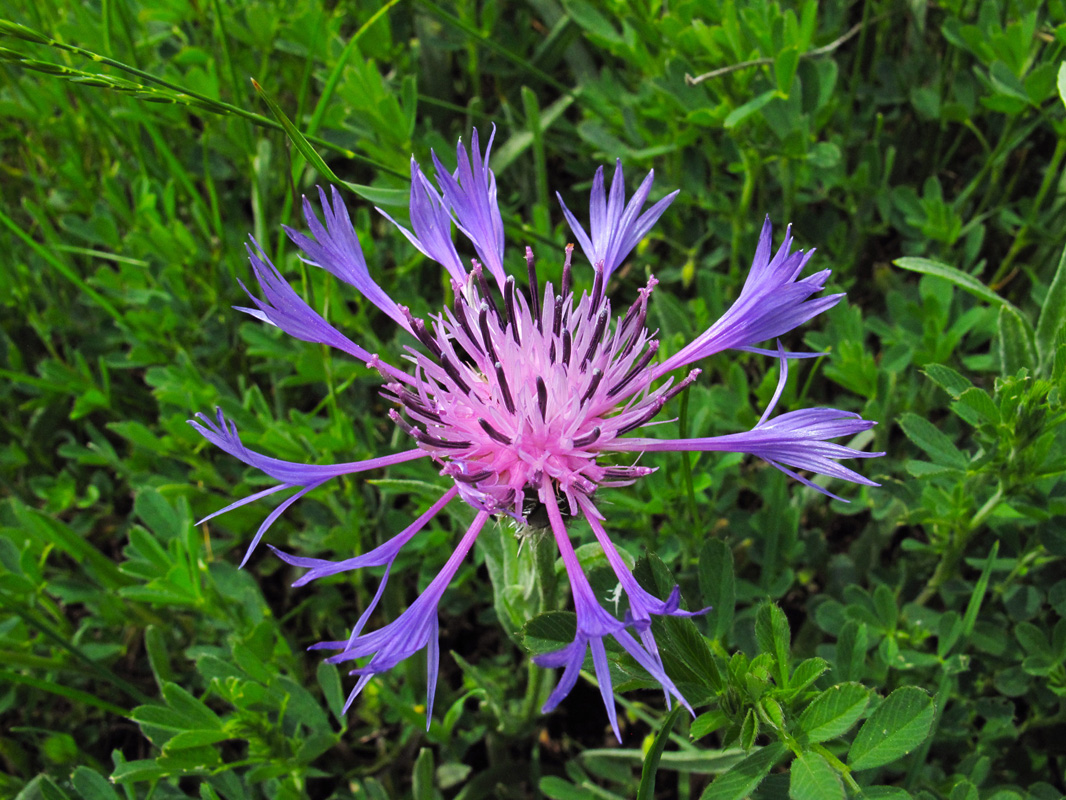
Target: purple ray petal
615,226
432,225
471,198
382,554
222,433
335,248
414,629
771,303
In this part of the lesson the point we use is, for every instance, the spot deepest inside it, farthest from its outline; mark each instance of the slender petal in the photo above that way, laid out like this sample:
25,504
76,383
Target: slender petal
614,225
593,624
285,309
796,438
471,197
381,555
222,433
414,629
771,303
336,249
432,225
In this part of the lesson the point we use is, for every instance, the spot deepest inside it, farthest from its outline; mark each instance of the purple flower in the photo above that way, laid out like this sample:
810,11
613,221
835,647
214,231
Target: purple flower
524,398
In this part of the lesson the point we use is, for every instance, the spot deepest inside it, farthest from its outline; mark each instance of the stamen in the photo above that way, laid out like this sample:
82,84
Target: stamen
566,347
434,441
486,294
403,424
508,302
597,336
423,412
565,287
597,288
505,390
492,432
542,398
551,353
594,384
464,322
418,327
453,373
558,316
635,369
534,286
486,333
588,438
647,416
471,479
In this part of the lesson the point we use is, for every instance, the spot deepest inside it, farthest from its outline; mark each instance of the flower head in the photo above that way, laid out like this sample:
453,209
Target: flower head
524,397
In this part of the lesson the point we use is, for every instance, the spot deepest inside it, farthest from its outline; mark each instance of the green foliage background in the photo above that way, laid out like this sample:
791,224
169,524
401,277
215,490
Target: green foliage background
911,643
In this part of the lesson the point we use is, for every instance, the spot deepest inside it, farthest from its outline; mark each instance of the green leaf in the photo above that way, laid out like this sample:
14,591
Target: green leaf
422,776
1053,313
834,711
956,276
707,722
947,379
812,778
785,69
935,444
387,197
586,15
651,762
975,404
806,673
549,631
741,113
745,777
718,586
92,785
896,727
1015,345
773,636
1062,82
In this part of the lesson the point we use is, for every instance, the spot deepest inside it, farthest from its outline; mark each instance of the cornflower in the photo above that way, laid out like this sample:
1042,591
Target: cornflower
524,400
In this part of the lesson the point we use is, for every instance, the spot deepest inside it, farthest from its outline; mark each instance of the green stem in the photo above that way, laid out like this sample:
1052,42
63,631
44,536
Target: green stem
203,101
949,561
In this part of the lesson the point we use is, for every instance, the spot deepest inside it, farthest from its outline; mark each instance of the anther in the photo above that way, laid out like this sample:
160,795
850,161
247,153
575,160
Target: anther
464,323
534,285
594,384
508,302
597,288
597,336
473,478
653,346
486,333
492,432
542,398
588,438
486,295
564,289
557,319
567,343
403,424
434,441
453,373
505,390
646,417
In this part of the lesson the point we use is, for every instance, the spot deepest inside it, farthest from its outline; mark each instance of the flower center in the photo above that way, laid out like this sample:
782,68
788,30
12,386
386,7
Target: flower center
506,395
